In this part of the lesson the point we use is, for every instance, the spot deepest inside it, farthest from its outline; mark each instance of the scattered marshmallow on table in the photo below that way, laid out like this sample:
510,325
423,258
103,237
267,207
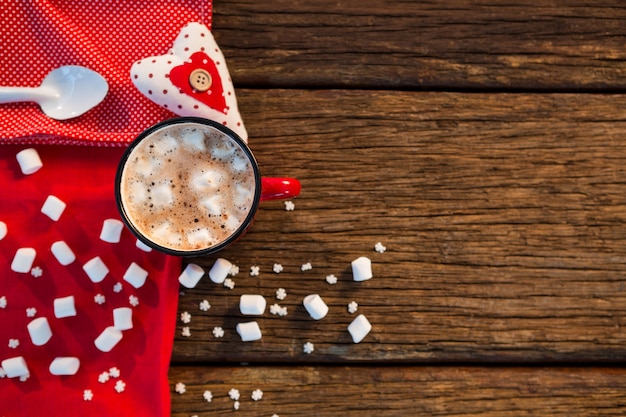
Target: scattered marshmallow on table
249,331
135,275
64,307
67,365
108,339
23,260
39,331
111,231
53,207
62,253
123,318
252,304
191,275
219,271
96,269
315,306
359,328
29,161
362,269
142,246
3,230
15,367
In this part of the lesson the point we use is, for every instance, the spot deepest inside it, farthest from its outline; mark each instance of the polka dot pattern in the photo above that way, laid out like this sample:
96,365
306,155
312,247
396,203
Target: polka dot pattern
107,36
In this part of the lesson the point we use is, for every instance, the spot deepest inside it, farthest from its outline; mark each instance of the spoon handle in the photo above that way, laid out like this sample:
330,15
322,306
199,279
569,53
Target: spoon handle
18,94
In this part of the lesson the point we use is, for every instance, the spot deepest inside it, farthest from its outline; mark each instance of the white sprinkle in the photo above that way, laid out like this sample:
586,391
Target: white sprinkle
281,294
24,378
186,332
236,405
218,332
87,395
306,267
204,305
234,394
308,348
36,272
207,395
234,270
185,317
120,386
255,271
278,310
117,287
3,302
289,205
229,283
379,247
114,372
103,377
14,343
180,388
31,312
278,268
353,307
99,299
257,394
53,207
133,300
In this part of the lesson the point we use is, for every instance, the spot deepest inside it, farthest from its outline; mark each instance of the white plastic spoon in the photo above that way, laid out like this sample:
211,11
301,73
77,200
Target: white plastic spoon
66,92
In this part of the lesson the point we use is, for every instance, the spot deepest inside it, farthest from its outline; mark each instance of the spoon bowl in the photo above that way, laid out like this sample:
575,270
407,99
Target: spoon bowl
64,93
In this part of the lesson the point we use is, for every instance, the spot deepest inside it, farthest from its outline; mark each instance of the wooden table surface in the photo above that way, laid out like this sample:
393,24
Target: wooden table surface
483,143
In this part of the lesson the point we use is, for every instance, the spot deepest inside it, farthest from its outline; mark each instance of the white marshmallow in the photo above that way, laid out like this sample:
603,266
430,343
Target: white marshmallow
39,331
111,231
108,339
123,318
213,204
64,307
64,366
143,246
3,230
240,164
252,304
219,271
359,328
53,207
96,269
15,367
194,139
249,331
204,181
23,260
201,236
315,306
135,275
361,269
62,253
162,195
191,275
29,161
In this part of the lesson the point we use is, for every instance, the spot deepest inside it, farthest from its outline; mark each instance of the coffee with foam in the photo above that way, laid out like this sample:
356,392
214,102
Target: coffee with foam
187,187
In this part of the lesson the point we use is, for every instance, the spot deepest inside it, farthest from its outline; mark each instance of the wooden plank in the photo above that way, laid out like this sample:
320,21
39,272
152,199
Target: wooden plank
401,391
503,217
428,44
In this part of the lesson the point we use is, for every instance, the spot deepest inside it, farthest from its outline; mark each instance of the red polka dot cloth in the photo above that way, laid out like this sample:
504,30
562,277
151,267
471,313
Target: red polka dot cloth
107,36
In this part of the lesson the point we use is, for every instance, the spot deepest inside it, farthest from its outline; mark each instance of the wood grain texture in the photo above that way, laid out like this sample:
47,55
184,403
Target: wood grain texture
403,44
503,216
402,391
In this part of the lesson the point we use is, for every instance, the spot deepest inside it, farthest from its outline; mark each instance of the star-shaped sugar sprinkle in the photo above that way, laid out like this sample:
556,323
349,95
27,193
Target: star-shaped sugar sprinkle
180,388
281,294
87,395
186,331
218,332
229,283
133,300
255,270
36,272
185,317
278,310
24,378
379,247
117,287
99,299
234,394
31,312
114,372
331,279
103,377
236,405
353,307
277,268
3,302
257,394
204,305
120,386
14,343
207,395
289,206
234,270
306,267
308,348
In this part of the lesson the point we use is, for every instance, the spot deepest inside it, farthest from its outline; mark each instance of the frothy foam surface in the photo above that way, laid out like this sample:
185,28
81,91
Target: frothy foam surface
187,187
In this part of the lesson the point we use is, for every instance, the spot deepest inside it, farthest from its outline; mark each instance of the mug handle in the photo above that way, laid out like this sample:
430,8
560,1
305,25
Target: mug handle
279,188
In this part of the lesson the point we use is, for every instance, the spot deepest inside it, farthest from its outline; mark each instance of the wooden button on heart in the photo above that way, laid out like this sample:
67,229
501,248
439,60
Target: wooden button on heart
200,80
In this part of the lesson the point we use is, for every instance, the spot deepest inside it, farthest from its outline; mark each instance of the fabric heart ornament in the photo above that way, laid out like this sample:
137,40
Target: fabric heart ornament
192,79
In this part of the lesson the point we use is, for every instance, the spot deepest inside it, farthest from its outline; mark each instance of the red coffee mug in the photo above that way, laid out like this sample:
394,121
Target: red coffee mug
190,186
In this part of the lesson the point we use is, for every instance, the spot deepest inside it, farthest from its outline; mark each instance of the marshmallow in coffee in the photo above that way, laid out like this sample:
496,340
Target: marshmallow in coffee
187,187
